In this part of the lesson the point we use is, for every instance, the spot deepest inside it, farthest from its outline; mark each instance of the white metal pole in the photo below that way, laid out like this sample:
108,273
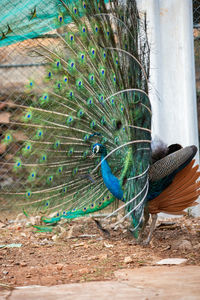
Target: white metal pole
152,9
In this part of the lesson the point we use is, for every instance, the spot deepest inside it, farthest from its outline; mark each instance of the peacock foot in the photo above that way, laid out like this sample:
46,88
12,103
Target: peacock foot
144,242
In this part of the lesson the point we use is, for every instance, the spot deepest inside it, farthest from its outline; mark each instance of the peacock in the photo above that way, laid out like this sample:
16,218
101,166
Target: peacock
79,139
173,184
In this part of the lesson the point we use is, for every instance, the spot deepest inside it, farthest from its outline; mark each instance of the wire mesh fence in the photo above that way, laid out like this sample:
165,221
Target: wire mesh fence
196,30
196,21
196,13
20,65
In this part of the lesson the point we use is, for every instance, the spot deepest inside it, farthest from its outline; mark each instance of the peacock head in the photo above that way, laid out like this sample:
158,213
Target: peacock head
98,148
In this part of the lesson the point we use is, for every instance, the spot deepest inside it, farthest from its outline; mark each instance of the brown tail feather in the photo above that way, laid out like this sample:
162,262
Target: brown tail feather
180,195
183,181
182,202
181,175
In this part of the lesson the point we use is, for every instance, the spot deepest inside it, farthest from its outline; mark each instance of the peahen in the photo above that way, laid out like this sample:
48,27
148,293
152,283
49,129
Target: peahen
81,139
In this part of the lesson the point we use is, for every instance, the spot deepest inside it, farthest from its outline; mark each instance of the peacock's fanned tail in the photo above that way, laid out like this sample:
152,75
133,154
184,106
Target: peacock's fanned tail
95,88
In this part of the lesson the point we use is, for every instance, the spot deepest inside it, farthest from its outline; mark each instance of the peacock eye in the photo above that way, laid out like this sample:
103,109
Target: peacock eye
96,149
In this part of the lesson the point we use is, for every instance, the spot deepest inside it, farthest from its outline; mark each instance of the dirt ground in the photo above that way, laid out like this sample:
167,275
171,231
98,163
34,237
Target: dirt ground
79,251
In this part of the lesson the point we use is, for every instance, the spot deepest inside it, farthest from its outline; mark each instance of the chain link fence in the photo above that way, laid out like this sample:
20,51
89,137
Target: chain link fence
18,64
196,26
196,13
196,22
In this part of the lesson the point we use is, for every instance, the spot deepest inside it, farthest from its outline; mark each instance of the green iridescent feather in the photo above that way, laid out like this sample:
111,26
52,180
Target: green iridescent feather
94,89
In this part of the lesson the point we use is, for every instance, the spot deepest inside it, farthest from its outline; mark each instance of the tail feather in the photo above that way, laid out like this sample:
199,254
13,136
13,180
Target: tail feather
183,181
95,89
180,195
182,176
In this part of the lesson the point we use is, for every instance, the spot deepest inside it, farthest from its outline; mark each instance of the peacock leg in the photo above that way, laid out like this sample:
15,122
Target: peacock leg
146,219
103,230
152,227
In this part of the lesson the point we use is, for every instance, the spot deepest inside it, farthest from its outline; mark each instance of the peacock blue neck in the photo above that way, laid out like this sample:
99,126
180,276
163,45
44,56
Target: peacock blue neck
111,182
